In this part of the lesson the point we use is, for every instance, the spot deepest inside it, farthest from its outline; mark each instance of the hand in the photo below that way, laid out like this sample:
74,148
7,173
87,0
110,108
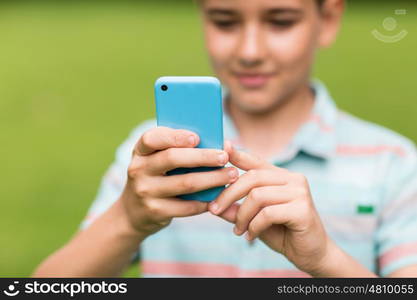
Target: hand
278,209
149,197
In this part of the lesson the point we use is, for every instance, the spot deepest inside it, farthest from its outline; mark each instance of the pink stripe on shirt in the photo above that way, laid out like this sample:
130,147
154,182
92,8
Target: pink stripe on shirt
368,150
210,270
318,120
397,253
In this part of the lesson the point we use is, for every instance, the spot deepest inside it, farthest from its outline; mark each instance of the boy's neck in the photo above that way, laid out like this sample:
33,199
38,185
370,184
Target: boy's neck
269,133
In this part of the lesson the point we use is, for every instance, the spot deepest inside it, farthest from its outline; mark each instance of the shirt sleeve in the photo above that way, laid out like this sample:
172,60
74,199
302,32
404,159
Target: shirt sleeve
113,181
396,236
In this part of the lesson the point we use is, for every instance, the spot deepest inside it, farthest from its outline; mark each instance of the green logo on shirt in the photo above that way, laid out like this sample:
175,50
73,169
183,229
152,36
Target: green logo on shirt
365,209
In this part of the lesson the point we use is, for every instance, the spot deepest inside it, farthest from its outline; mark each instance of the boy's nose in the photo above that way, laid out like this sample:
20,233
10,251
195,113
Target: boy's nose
251,48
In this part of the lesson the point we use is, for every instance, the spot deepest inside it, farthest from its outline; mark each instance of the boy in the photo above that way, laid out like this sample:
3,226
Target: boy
317,191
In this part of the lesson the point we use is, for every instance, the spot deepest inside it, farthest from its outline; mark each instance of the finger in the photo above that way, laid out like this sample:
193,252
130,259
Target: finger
173,185
174,207
245,184
228,146
246,160
257,199
172,158
276,214
161,137
230,213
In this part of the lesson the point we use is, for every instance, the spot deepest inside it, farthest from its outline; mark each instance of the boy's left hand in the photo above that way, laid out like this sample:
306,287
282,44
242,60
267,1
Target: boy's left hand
278,209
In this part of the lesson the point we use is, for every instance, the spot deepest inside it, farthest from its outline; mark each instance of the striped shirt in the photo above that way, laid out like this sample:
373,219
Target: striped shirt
363,180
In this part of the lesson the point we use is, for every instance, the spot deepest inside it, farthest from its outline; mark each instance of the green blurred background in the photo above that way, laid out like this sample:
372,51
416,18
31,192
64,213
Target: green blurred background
77,76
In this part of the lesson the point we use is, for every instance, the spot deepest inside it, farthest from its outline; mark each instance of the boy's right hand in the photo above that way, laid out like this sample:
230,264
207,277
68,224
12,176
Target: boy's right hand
149,195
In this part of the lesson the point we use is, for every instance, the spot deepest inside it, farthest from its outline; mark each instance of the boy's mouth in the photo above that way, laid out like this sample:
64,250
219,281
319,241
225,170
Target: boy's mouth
253,80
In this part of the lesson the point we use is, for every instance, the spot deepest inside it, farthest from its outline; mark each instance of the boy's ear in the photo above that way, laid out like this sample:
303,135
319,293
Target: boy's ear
331,18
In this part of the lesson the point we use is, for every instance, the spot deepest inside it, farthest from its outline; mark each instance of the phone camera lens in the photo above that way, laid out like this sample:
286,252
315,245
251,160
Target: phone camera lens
164,87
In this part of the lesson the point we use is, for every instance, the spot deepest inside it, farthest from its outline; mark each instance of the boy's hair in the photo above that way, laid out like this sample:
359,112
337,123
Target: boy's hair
319,2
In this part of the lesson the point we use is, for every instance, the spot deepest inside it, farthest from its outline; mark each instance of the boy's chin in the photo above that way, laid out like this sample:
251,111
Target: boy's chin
256,106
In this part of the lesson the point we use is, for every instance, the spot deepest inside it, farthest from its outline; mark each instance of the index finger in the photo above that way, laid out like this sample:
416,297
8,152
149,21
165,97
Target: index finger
161,138
245,160
177,208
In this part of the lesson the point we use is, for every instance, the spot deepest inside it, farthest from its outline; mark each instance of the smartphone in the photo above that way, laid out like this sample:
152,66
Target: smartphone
195,104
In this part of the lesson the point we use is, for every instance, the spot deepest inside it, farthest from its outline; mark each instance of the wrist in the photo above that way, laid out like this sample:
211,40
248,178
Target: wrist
122,223
329,261
337,263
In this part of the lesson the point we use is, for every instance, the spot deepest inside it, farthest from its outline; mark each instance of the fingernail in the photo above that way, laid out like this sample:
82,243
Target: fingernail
248,236
214,207
191,140
222,158
233,173
237,231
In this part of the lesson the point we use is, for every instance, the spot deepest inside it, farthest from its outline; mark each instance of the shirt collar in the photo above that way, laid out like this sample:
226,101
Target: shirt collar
316,137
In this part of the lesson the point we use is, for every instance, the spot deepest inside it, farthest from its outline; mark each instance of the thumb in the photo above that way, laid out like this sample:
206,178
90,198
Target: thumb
243,160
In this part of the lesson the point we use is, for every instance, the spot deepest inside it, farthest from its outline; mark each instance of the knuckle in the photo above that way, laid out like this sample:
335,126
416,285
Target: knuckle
170,156
178,139
142,190
252,173
197,208
191,209
255,195
187,183
300,178
301,192
305,193
146,138
140,163
282,170
254,176
209,155
134,168
267,213
132,172
152,207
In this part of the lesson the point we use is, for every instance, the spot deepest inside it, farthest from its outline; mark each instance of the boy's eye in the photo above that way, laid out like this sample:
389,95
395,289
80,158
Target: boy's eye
282,23
225,24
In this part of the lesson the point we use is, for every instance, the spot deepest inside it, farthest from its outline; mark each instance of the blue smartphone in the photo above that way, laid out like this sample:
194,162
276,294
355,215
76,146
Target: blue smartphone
195,104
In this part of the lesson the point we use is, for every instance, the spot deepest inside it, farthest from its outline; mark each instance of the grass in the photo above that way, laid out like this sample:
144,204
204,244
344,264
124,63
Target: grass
76,77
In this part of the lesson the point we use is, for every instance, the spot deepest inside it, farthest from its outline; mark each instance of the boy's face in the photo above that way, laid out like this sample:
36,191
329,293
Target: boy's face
263,50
